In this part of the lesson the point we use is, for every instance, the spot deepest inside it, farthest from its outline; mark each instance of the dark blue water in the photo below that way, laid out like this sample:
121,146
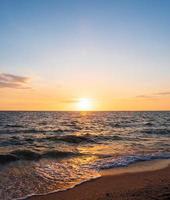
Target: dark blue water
41,152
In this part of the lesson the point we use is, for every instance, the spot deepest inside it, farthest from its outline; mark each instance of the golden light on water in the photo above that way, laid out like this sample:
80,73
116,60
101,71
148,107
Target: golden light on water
85,104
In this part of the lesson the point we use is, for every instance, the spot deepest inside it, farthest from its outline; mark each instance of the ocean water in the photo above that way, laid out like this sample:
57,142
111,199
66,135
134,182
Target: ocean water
42,152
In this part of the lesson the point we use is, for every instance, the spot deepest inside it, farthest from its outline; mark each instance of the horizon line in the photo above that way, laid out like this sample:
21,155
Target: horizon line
84,110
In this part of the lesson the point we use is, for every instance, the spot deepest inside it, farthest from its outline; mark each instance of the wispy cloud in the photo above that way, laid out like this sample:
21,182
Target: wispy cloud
13,81
154,95
162,93
143,96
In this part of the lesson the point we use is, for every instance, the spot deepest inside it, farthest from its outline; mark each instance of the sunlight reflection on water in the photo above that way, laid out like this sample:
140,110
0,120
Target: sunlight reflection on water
41,152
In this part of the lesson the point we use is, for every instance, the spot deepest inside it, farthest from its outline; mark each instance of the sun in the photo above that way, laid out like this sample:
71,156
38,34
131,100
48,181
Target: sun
84,104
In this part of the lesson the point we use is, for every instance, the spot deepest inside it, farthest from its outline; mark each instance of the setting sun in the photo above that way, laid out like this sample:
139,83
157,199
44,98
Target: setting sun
84,91
85,104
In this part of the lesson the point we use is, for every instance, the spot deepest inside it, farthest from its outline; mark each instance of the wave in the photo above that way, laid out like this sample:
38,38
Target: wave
11,142
60,154
120,125
157,131
9,131
13,126
26,154
32,155
149,124
127,160
87,138
8,158
72,139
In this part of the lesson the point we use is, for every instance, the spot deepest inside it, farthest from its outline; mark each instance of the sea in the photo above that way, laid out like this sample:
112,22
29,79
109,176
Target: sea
43,152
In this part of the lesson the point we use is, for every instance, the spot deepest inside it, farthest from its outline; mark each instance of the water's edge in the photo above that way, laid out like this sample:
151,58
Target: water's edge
138,167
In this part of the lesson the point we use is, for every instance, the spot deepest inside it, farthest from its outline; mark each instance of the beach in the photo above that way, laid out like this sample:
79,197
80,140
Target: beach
145,180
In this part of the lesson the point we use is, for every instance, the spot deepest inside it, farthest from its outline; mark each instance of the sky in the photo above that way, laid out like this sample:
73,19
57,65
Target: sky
115,53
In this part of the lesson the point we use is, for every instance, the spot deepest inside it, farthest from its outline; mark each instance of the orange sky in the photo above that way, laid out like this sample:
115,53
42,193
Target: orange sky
53,54
39,99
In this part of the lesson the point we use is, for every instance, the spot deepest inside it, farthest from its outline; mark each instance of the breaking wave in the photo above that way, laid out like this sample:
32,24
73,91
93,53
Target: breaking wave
127,160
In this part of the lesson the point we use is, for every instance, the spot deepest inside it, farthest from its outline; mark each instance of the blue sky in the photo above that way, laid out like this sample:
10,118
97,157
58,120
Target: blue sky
122,47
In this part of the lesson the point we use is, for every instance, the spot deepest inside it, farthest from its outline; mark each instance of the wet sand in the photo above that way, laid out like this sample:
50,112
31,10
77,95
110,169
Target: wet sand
141,181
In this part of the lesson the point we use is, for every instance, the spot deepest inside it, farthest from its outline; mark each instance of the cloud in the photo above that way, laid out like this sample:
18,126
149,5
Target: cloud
154,95
162,93
143,96
13,81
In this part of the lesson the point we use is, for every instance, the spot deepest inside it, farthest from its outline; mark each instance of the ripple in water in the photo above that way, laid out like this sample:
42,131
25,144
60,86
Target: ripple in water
42,152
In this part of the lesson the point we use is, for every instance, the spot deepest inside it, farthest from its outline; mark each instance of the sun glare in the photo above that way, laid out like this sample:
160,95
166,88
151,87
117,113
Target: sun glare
84,104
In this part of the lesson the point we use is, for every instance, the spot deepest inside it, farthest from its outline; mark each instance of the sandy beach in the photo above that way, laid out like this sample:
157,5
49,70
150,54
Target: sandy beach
145,180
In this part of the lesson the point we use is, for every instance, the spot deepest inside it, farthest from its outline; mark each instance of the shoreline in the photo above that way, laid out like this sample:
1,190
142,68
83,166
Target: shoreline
120,183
